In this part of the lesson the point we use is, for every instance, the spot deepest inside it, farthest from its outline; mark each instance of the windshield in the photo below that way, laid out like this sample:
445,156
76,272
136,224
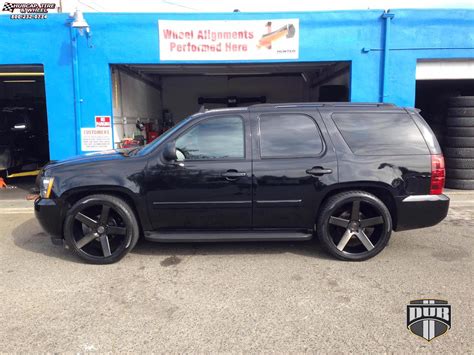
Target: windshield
151,146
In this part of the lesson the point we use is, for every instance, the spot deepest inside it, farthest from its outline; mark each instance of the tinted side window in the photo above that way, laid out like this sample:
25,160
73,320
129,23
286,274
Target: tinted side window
380,133
289,135
213,138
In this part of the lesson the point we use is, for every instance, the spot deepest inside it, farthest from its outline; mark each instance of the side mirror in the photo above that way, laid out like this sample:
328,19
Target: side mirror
169,152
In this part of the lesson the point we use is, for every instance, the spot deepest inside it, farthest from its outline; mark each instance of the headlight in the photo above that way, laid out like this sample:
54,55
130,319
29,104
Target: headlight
46,185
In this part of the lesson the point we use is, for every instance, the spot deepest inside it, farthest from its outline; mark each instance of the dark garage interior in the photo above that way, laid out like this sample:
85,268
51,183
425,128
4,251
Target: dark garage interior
24,145
23,120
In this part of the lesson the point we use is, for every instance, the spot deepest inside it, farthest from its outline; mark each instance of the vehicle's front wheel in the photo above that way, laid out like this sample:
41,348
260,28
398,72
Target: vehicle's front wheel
354,225
101,229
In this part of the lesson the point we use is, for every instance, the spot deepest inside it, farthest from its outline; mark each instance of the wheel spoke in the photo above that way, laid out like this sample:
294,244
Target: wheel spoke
81,243
340,222
371,221
114,230
344,240
365,240
355,210
104,242
81,217
104,215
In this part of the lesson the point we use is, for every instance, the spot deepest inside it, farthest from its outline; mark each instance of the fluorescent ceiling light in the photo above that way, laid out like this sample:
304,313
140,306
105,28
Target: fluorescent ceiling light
21,74
19,81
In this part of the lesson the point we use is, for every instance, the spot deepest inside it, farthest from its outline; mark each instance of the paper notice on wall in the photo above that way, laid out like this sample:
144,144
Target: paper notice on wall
95,139
229,40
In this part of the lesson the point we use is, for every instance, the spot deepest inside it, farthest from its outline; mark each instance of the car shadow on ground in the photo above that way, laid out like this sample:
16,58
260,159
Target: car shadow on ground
29,236
310,248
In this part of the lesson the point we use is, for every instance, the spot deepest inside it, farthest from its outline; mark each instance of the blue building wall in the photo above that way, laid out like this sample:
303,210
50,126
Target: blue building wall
355,36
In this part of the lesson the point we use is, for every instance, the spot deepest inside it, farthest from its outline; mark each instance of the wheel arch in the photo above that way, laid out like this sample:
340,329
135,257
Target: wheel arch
382,191
70,197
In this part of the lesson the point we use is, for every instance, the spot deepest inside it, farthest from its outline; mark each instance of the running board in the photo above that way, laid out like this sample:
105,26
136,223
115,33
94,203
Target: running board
212,236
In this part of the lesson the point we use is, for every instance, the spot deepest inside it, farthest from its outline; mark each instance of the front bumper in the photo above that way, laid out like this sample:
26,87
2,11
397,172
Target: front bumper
49,214
419,211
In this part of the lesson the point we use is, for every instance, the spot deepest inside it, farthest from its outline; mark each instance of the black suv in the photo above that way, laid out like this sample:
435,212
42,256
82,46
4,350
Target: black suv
350,173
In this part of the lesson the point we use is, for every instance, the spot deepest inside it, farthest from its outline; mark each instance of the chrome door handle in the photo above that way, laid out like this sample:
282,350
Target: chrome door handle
318,171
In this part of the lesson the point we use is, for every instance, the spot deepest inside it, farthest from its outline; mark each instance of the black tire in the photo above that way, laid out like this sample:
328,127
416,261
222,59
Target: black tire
101,229
460,131
340,225
463,174
459,152
456,121
459,163
459,142
460,184
461,101
461,111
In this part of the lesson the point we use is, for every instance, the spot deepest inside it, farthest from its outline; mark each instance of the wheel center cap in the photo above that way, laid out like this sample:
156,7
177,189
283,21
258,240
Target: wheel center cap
100,229
354,225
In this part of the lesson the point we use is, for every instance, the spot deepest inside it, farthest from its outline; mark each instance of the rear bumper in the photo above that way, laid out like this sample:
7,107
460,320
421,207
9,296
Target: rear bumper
419,211
49,215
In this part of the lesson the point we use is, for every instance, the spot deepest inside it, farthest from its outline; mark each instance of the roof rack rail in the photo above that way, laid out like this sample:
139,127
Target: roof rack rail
325,104
360,104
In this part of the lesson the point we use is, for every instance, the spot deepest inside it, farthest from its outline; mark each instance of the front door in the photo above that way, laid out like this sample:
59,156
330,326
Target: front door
209,187
294,163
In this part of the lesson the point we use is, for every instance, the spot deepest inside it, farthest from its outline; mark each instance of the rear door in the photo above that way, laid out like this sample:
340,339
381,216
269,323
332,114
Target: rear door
293,164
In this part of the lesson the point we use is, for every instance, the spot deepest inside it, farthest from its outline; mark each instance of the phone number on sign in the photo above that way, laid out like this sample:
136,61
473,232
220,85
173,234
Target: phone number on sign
29,17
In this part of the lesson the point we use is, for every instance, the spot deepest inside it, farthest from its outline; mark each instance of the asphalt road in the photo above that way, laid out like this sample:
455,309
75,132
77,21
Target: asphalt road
232,297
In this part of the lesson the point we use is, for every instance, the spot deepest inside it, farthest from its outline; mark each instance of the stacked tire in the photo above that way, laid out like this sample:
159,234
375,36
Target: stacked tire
459,143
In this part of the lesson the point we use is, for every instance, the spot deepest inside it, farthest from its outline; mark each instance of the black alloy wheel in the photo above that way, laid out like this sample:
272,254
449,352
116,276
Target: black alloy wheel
101,229
354,225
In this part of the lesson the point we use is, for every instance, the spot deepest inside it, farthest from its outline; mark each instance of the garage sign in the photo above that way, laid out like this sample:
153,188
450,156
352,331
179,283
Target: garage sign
95,139
229,40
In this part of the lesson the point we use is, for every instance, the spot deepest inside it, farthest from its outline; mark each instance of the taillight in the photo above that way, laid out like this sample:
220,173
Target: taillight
438,175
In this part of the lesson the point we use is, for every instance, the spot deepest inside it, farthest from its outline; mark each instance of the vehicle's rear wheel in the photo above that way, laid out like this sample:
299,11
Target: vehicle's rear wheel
101,229
354,225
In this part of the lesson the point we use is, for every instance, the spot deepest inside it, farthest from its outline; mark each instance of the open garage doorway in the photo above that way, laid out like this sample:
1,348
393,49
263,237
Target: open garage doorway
445,96
149,99
24,145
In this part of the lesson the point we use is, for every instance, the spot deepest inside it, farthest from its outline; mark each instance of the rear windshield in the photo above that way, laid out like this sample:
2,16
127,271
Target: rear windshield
368,133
